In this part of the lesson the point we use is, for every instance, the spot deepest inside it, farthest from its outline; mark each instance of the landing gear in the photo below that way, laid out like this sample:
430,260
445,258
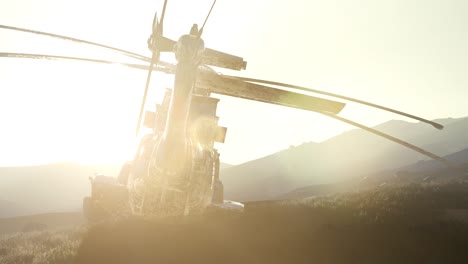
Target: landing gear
109,199
218,187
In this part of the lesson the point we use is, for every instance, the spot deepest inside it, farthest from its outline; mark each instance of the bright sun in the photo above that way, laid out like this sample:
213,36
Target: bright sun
76,112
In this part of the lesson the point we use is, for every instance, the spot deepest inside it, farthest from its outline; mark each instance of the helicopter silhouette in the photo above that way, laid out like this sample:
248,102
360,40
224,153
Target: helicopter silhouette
175,170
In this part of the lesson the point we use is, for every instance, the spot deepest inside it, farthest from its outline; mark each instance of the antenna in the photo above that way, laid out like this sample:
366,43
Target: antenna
200,32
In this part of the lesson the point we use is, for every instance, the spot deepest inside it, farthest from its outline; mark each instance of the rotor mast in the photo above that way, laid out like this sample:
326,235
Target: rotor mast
174,143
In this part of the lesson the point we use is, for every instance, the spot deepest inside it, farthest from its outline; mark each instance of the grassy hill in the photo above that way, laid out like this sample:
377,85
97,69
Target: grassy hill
390,224
430,171
40,247
40,222
8,208
405,224
46,238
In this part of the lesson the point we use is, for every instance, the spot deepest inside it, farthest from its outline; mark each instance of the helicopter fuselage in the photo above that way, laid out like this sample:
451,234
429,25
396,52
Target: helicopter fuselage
176,168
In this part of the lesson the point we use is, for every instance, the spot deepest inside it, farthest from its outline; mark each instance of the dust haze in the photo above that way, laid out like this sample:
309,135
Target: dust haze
287,132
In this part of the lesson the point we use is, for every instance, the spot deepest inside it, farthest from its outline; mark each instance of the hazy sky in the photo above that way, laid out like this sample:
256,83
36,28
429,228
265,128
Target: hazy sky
405,54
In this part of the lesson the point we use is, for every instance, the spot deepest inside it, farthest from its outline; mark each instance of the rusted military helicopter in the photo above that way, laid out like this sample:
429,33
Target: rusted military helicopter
176,168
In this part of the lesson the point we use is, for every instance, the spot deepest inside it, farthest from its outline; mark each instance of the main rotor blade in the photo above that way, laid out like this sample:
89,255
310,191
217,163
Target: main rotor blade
434,124
233,86
217,84
56,57
237,88
163,13
394,139
165,67
154,60
211,56
121,51
157,31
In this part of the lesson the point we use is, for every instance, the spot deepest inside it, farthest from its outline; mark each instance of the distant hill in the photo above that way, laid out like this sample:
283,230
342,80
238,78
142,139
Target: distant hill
429,171
223,166
40,222
352,154
47,188
61,187
458,157
8,208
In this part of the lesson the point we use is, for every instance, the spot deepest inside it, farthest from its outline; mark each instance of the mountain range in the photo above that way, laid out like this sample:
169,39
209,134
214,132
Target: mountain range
46,188
353,154
315,166
49,188
429,171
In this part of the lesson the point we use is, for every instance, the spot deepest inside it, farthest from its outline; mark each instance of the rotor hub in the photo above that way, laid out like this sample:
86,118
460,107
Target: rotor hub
189,48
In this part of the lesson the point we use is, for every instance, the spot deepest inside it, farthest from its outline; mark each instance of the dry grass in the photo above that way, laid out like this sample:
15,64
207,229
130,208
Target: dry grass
395,224
40,247
406,224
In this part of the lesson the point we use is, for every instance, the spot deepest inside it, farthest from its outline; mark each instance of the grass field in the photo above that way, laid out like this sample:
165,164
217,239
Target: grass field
40,222
393,224
53,247
397,224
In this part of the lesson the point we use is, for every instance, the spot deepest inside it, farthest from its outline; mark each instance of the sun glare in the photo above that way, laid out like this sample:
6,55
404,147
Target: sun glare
66,111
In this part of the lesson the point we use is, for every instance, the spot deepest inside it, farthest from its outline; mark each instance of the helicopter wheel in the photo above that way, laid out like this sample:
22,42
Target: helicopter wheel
91,212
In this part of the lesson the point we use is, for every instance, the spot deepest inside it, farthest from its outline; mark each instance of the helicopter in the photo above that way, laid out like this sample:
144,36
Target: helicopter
175,170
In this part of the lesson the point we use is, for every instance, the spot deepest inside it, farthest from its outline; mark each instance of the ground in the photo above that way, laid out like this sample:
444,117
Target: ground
389,224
